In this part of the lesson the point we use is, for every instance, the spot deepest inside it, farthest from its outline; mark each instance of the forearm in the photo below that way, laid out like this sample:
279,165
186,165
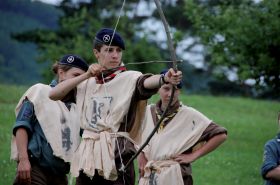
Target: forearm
63,88
210,145
152,82
274,174
24,167
22,143
156,81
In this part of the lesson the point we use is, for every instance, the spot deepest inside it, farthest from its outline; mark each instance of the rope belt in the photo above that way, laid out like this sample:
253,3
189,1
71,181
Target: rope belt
96,152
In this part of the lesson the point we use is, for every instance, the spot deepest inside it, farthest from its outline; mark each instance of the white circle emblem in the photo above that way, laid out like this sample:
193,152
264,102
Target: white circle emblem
106,38
70,59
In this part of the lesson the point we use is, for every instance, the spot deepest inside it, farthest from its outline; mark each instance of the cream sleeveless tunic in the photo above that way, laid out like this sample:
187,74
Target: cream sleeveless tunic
102,107
60,126
181,133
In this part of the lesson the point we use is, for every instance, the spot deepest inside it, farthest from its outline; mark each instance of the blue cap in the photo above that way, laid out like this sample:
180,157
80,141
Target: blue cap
179,86
74,61
104,36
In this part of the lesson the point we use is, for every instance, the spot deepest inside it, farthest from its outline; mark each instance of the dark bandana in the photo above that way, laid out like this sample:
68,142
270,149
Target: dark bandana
172,111
108,75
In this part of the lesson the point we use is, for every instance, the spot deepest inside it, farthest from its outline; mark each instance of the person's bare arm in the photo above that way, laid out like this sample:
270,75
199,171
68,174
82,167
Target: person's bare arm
64,87
210,145
171,77
24,166
274,173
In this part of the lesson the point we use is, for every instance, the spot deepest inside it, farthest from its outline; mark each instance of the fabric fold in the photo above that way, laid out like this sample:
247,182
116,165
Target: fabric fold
166,172
61,130
99,149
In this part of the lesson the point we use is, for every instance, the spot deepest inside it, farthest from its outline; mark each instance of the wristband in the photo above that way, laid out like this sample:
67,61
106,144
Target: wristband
160,82
162,78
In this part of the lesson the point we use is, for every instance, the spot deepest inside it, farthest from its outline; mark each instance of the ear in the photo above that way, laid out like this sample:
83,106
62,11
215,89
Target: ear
60,75
96,53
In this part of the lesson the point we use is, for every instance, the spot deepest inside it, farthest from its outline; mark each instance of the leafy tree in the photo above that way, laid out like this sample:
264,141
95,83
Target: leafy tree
243,36
76,31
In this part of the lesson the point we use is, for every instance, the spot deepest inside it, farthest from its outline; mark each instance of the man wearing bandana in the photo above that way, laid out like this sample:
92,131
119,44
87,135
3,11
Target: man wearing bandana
46,132
184,136
111,102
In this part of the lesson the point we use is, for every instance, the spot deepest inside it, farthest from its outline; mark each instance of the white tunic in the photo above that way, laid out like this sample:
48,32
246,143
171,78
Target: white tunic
102,108
181,133
57,122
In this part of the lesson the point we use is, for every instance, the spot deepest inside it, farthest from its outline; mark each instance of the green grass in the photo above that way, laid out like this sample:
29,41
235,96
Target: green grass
250,123
9,96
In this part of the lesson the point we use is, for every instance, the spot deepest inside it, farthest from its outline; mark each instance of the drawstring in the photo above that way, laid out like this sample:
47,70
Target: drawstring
121,160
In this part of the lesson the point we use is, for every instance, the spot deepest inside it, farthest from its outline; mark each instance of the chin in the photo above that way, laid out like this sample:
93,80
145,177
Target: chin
114,65
165,102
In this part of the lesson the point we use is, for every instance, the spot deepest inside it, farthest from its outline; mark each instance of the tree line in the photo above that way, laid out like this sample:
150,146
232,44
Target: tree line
238,37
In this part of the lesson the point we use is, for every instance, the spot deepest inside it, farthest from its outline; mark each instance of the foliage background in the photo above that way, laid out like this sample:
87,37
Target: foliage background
234,37
240,36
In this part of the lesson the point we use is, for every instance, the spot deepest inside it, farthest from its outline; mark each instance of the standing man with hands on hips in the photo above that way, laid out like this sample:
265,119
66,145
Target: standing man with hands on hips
184,136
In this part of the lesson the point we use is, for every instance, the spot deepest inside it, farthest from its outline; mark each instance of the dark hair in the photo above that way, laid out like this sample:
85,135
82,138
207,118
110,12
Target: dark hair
57,66
97,45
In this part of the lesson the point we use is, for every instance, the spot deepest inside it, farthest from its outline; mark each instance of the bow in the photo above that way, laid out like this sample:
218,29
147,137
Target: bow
174,61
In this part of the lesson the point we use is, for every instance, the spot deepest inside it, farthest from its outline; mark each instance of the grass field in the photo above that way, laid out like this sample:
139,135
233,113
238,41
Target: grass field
250,123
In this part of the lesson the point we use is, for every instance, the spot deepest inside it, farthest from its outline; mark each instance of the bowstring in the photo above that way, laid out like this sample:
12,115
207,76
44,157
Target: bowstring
105,85
106,54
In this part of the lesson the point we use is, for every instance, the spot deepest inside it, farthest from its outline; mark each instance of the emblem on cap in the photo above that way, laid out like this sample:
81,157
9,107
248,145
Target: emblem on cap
106,38
70,59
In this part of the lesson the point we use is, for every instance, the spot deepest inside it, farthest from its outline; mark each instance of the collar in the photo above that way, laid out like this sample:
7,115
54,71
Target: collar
53,83
173,108
109,74
278,137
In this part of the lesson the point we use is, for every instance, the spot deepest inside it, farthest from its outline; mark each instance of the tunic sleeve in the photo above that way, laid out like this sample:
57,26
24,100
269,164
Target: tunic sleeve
25,117
212,130
270,157
141,92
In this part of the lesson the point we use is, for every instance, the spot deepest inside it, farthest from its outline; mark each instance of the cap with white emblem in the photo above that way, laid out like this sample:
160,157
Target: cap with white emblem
105,36
74,61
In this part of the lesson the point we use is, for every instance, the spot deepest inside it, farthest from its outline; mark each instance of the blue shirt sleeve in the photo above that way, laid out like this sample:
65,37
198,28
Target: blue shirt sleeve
25,118
270,157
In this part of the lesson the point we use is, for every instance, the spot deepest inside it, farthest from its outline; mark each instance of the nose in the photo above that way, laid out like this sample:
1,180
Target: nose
115,54
169,93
